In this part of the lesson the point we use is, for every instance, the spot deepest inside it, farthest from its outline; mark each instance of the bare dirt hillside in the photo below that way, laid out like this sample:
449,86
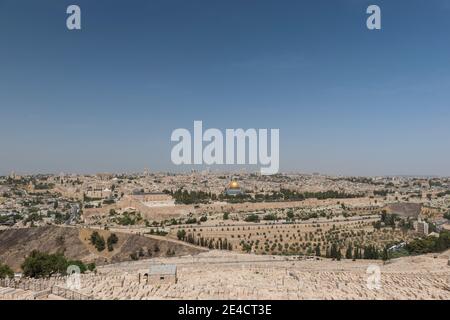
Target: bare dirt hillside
405,209
16,244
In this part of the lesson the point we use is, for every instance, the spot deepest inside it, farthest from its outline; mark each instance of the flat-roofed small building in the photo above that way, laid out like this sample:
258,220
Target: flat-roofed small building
162,273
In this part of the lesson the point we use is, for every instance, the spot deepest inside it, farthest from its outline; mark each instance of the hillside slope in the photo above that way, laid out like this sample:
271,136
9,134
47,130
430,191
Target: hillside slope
16,244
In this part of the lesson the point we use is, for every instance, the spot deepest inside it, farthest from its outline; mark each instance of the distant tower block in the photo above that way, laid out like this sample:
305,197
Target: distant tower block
146,172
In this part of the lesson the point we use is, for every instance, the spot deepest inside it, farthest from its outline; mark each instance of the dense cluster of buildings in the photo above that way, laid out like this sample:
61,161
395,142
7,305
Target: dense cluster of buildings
43,199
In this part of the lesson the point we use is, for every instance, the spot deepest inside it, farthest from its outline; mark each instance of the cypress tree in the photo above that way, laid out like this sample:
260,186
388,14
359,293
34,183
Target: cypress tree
318,250
348,253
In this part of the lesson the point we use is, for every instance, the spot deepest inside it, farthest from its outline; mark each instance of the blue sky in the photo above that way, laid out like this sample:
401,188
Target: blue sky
346,100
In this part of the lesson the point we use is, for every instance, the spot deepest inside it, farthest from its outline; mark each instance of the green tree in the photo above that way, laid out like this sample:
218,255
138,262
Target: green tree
252,218
181,234
39,264
318,250
5,271
79,264
356,254
338,254
385,254
98,241
111,241
334,251
348,253
290,215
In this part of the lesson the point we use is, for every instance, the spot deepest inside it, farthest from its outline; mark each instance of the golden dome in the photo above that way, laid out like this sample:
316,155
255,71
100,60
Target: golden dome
233,185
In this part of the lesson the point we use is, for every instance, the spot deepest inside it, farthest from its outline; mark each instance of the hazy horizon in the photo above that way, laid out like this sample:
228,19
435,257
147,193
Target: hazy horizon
216,171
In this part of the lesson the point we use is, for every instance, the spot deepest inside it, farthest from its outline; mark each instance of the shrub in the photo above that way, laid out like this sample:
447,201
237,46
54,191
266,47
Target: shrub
191,221
134,256
252,218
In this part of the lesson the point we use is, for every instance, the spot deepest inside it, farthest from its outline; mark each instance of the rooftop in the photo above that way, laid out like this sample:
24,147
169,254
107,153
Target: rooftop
158,269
